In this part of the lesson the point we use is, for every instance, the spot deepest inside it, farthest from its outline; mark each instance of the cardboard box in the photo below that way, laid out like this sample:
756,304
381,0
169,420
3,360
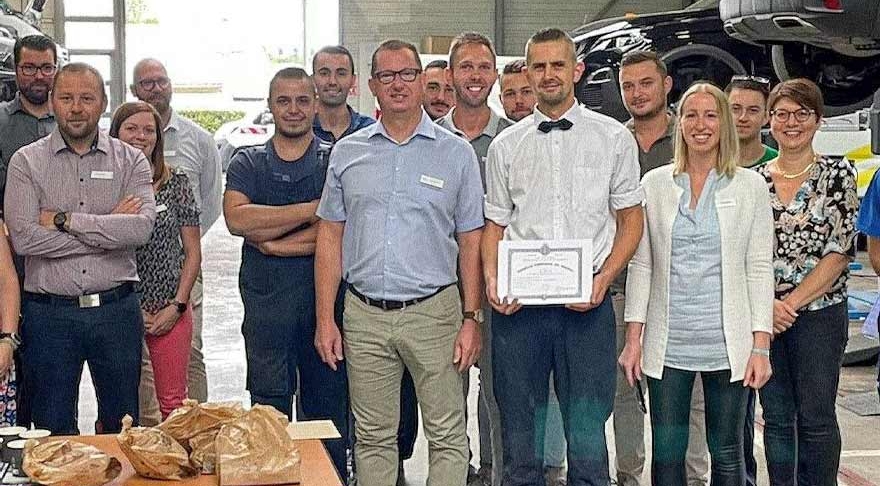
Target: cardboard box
436,44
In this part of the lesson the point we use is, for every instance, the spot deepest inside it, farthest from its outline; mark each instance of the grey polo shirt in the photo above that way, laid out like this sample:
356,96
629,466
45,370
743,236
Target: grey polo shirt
481,142
661,152
17,129
658,155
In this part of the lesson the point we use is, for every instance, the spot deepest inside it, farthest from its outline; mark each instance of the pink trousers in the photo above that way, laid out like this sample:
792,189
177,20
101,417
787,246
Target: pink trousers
169,355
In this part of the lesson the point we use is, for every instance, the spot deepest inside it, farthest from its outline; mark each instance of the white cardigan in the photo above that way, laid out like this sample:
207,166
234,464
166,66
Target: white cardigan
746,225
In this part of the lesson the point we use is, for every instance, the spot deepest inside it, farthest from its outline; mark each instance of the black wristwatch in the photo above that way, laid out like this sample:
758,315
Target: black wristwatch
181,306
60,220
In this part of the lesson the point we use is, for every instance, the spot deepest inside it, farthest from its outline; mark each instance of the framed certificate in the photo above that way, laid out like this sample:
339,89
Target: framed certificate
544,272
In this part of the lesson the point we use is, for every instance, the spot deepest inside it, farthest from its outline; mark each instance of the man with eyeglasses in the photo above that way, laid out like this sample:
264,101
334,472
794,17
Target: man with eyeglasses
190,148
402,205
28,117
748,102
334,75
439,95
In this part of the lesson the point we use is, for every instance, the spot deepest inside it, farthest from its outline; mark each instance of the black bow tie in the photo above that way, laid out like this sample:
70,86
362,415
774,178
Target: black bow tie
562,124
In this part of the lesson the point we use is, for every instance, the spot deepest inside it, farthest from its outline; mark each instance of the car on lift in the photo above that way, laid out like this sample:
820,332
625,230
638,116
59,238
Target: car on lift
836,43
691,41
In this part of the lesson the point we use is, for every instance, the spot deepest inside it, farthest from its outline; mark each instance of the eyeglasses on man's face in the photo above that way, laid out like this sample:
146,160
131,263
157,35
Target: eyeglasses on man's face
387,77
149,84
801,115
32,69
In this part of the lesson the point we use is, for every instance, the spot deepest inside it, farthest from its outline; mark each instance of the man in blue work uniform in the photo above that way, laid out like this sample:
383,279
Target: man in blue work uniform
271,195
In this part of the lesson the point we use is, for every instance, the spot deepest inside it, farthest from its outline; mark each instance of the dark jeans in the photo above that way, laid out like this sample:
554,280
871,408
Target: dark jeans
749,441
281,353
59,339
801,435
580,350
670,418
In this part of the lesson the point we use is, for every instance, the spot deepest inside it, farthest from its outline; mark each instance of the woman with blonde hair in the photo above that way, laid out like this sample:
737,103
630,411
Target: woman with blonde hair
169,263
700,289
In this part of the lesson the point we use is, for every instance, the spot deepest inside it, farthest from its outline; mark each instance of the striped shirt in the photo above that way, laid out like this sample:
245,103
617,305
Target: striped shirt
98,253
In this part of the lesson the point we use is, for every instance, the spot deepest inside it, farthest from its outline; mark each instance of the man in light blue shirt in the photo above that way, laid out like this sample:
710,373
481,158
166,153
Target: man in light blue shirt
401,206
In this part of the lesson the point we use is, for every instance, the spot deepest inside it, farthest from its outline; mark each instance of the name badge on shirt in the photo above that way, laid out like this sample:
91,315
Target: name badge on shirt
161,208
725,203
432,181
102,174
170,153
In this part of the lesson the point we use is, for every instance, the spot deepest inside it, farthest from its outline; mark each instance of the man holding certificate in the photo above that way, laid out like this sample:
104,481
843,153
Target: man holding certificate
564,216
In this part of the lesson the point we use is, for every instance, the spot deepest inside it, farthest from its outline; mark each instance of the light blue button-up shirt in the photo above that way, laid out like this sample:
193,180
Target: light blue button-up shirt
696,334
402,205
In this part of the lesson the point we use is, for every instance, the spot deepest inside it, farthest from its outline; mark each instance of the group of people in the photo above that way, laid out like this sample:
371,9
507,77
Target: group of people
369,263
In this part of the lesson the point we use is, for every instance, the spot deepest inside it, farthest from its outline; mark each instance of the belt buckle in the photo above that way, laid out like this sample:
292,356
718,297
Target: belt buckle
89,301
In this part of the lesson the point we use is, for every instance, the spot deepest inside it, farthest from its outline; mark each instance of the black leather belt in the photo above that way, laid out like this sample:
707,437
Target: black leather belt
393,304
83,301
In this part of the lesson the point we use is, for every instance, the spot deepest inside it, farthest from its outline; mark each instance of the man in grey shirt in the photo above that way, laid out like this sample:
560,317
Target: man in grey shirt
644,87
472,74
27,117
78,204
191,149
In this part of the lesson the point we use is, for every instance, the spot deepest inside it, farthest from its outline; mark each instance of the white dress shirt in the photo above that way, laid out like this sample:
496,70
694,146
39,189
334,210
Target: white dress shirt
565,184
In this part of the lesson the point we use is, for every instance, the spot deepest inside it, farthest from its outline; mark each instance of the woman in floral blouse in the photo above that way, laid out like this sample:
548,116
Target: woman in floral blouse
10,302
169,263
814,206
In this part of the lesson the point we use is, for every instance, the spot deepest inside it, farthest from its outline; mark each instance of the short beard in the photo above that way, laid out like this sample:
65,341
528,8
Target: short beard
293,134
660,109
35,97
333,102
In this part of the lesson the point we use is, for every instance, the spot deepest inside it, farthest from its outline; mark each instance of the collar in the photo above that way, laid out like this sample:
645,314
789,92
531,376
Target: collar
57,143
426,128
354,120
490,130
14,106
173,122
670,127
572,114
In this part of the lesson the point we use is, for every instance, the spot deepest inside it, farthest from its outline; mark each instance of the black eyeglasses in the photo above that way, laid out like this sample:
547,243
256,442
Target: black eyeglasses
387,77
31,70
754,79
801,115
148,84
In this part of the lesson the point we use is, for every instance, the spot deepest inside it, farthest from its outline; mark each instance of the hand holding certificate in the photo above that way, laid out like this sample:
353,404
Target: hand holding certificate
545,272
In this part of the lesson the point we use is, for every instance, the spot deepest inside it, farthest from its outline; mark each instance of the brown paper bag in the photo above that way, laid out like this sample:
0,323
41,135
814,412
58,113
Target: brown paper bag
153,453
256,450
203,454
68,463
194,419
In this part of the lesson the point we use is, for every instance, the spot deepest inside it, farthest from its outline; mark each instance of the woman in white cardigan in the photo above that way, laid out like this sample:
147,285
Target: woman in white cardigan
701,288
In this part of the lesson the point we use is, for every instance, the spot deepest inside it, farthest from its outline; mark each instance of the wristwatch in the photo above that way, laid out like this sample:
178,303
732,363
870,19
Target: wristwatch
60,220
181,306
476,315
13,338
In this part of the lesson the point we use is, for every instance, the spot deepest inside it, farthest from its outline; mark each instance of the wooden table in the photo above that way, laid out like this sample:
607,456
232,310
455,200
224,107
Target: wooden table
317,468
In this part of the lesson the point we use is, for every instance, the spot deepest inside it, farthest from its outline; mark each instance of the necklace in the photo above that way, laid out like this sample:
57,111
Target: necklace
809,166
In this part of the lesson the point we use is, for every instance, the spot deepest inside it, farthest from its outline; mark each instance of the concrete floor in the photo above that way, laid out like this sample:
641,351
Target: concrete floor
225,361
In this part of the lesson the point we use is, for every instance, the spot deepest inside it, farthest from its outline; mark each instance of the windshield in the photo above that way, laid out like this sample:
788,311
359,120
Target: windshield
703,4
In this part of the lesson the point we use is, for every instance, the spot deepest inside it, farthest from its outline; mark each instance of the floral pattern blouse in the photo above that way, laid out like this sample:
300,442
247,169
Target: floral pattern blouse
160,261
819,220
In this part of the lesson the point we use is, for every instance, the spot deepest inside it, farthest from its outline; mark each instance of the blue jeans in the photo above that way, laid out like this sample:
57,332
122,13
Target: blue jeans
579,348
749,441
670,422
801,434
58,339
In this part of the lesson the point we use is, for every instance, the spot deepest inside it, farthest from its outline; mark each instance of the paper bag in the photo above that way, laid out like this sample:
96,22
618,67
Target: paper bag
153,453
68,463
256,450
